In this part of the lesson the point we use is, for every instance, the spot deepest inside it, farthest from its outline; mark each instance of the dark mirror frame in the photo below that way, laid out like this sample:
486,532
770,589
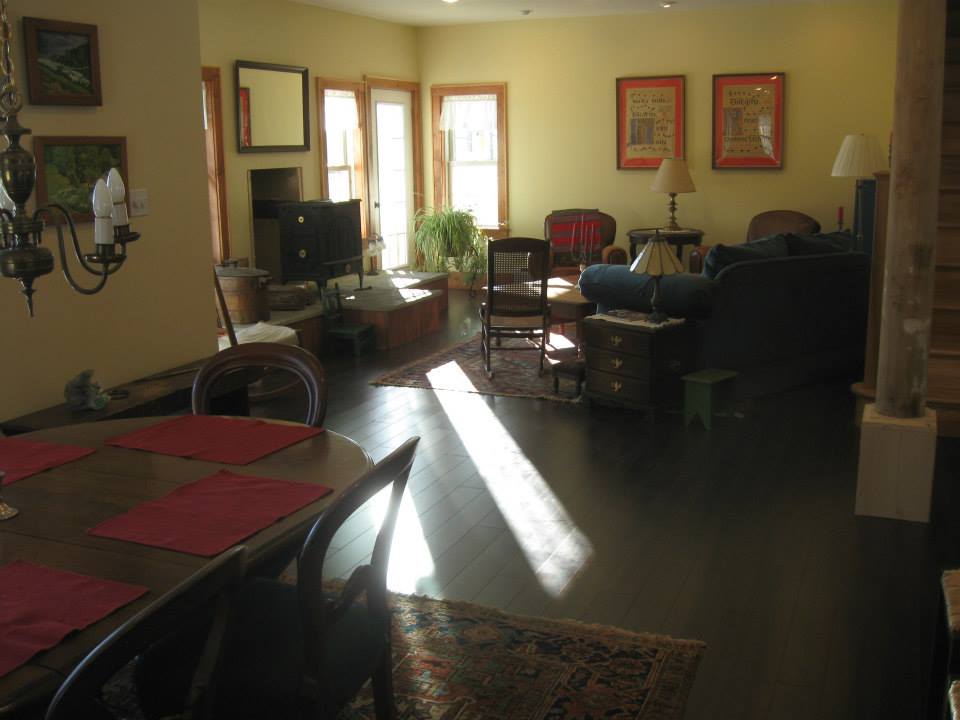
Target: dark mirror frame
241,64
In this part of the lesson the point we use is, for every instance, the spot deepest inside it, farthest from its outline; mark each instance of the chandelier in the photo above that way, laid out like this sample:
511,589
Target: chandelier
22,254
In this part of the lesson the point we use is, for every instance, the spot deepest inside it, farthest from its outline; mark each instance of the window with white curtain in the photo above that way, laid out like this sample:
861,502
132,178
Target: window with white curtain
469,148
342,125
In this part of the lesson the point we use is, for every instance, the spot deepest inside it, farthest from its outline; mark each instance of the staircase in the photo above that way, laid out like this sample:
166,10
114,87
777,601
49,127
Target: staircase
943,367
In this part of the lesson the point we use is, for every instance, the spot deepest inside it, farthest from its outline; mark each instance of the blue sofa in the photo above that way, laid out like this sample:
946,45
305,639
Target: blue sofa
794,315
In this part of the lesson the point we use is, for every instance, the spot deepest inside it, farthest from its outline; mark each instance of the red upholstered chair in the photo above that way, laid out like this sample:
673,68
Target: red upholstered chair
577,235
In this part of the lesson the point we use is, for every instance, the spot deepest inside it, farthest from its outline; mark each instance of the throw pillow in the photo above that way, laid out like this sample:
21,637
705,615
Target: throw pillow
720,256
820,243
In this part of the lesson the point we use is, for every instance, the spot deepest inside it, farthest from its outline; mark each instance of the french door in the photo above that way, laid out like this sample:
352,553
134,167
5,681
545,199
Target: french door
392,172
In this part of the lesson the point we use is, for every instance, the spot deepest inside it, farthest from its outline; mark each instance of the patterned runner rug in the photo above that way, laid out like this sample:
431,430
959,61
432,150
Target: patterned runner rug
458,661
461,368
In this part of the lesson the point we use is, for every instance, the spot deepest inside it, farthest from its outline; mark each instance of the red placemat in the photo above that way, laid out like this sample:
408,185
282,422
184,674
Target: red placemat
39,606
234,441
20,458
212,514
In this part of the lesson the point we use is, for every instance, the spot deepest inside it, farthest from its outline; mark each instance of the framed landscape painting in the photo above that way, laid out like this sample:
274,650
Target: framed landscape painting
650,119
63,62
748,121
68,168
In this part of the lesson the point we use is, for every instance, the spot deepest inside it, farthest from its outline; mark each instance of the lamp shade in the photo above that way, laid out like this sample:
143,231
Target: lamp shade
673,177
859,156
657,258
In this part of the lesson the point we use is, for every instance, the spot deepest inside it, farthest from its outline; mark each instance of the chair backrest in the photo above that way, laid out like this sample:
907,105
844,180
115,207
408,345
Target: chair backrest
296,360
773,222
517,276
319,612
206,591
578,234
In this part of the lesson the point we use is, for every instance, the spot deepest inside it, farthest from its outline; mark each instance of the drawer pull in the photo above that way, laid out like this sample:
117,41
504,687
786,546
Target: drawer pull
302,254
616,386
617,363
616,340
300,219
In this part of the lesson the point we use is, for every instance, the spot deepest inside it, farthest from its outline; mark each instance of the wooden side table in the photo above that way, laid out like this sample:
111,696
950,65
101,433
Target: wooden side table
636,366
677,238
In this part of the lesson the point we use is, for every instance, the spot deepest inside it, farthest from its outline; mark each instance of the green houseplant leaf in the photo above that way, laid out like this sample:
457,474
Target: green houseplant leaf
447,236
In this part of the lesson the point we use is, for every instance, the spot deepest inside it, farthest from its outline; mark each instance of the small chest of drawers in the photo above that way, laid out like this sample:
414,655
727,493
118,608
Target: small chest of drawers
636,366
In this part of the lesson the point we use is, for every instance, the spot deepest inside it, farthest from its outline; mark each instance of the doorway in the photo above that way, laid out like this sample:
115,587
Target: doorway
393,171
216,167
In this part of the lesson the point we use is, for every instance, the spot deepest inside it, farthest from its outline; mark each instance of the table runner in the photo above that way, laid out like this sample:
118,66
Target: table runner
212,514
234,441
21,458
39,606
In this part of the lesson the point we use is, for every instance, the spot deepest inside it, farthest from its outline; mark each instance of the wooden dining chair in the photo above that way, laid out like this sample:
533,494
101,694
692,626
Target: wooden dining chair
296,360
206,594
516,304
306,650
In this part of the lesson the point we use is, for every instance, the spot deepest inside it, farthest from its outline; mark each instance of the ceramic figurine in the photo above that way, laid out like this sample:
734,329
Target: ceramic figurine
82,393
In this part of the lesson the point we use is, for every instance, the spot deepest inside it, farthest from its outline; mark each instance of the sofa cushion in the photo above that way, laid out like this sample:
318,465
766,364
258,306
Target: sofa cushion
720,256
820,243
681,295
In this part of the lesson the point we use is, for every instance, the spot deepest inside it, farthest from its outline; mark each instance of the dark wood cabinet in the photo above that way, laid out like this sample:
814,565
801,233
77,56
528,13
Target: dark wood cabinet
320,240
636,366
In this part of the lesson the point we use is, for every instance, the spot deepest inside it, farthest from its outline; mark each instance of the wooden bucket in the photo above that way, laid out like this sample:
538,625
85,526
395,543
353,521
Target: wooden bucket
245,292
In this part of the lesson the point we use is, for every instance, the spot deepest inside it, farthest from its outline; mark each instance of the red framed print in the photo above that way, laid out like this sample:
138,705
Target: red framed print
748,121
650,120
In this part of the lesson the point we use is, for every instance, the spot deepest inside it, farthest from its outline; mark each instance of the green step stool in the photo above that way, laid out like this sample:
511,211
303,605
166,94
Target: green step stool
359,338
704,392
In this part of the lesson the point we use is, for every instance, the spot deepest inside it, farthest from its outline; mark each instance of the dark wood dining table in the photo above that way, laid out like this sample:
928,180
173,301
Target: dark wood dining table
58,506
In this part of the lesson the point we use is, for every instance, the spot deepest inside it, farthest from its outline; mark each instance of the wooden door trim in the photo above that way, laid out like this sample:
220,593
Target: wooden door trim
211,75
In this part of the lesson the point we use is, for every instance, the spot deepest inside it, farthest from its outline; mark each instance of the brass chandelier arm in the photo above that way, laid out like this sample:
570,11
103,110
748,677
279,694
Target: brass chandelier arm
102,273
81,258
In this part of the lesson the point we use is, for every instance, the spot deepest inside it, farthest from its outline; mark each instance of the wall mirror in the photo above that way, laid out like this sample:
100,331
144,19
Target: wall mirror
272,107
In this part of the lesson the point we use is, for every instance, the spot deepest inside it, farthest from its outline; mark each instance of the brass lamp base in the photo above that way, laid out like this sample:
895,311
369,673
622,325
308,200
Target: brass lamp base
672,222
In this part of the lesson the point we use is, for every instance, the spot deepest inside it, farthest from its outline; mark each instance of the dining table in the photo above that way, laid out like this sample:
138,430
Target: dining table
57,507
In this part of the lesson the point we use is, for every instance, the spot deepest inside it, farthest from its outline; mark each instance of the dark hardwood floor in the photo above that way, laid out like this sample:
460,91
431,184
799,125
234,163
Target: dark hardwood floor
743,537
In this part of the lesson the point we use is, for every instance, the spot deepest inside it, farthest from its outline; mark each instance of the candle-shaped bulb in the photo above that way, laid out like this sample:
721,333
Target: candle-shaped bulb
102,210
6,202
118,194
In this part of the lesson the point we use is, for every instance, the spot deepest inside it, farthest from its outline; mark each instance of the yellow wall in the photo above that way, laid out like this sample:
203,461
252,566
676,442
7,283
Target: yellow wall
561,105
329,44
156,312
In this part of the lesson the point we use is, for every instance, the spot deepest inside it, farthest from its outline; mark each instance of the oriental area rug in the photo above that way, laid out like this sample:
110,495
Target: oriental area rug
459,661
461,368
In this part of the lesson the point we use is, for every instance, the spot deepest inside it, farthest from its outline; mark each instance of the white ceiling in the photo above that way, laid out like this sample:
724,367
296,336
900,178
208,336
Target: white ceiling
437,12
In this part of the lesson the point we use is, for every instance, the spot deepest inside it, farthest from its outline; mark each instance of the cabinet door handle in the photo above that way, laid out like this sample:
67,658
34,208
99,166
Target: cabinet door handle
617,363
302,254
616,340
616,386
300,219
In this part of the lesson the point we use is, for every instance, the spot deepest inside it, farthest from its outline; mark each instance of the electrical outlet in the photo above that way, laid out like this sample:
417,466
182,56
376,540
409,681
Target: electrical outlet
139,202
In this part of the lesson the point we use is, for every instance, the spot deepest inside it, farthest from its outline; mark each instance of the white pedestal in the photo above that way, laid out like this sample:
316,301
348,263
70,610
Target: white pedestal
895,473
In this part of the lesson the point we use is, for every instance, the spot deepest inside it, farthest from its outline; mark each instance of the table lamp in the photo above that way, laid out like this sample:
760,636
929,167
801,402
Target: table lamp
672,178
657,259
859,157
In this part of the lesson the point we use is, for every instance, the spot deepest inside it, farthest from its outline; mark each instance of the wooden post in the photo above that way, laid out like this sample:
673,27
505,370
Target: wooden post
912,218
898,435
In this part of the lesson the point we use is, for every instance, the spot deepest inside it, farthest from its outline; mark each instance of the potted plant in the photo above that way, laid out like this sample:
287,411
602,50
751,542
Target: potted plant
448,240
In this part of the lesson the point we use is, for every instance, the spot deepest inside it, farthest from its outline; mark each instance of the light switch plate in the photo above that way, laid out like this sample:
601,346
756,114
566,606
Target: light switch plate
139,202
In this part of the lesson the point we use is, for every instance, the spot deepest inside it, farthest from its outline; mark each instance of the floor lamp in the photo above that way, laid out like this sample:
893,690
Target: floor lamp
859,157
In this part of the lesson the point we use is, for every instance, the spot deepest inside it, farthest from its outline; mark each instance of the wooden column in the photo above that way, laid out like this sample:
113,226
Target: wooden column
912,219
898,435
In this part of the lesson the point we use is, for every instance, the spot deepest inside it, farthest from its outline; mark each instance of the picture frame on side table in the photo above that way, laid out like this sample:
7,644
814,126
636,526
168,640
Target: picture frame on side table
69,167
63,62
650,120
748,121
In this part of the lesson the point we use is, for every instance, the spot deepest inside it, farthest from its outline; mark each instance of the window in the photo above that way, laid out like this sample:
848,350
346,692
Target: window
341,142
470,151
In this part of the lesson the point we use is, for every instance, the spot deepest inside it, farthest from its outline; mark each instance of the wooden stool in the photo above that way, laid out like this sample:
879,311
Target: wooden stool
705,391
360,338
574,369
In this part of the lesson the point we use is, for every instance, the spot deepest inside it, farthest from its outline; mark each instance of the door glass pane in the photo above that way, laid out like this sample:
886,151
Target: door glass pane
392,181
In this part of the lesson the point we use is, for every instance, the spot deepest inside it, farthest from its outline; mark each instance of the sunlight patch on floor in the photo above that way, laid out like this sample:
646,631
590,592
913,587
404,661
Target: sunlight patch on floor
410,558
554,546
